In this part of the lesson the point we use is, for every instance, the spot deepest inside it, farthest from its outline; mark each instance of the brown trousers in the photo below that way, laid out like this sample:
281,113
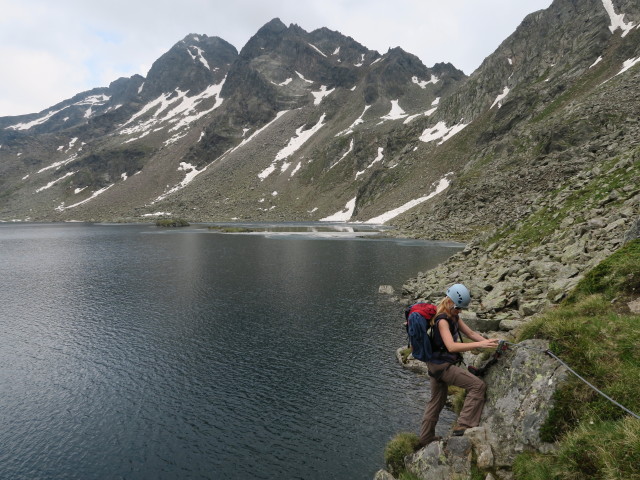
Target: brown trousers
443,375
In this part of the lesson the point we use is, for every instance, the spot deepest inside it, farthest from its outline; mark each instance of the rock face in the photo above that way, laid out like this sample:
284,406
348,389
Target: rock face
535,265
519,395
333,126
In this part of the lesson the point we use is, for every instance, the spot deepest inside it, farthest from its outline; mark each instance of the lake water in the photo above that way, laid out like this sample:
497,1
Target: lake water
134,352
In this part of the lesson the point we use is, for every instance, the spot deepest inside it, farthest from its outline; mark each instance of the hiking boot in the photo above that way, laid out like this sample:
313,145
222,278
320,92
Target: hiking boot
422,445
458,431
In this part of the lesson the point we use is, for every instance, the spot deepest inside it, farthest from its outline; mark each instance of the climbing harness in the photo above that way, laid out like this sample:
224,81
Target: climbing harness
554,356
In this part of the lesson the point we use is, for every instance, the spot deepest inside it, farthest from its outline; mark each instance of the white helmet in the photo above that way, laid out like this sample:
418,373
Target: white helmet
460,295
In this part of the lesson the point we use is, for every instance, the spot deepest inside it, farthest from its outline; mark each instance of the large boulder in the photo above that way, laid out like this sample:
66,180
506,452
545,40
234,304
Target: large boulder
442,460
520,390
519,397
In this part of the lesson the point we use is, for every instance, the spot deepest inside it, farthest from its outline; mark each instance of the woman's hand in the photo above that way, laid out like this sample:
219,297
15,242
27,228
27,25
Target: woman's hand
488,343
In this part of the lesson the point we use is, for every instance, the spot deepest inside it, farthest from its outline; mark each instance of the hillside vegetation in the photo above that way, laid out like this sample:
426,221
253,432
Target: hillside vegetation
596,335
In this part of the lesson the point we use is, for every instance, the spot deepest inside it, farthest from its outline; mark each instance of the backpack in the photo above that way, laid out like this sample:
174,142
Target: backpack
419,333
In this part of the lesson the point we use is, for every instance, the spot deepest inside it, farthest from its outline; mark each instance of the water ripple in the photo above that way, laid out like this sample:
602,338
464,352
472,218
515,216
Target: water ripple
199,356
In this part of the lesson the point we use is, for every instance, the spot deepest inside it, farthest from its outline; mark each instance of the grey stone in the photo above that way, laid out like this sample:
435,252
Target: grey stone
386,289
518,403
634,306
507,325
483,324
633,232
383,475
482,448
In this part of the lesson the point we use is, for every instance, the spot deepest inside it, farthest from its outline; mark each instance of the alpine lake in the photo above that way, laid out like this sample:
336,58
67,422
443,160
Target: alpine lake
259,351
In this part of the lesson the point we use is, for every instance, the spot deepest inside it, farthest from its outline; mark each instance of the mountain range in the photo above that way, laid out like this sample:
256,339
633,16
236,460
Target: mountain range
301,126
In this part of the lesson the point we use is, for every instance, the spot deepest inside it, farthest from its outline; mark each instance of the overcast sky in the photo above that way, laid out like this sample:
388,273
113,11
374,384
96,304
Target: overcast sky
53,49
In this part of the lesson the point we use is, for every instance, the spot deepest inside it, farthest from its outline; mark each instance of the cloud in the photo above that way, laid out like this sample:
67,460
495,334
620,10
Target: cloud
37,80
52,50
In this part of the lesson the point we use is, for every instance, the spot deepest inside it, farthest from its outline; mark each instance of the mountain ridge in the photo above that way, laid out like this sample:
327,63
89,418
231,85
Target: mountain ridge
316,117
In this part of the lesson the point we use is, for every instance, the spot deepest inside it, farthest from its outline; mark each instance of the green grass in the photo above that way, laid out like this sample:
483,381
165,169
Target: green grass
598,450
171,222
404,354
598,339
400,446
457,396
617,277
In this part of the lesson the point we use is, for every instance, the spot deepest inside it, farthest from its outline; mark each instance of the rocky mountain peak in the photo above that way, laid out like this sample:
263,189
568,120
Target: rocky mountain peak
192,65
332,126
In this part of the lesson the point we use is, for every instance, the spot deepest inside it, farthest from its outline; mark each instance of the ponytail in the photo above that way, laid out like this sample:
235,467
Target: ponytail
445,306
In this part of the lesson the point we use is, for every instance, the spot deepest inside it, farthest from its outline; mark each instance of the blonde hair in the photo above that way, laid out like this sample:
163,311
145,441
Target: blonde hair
445,306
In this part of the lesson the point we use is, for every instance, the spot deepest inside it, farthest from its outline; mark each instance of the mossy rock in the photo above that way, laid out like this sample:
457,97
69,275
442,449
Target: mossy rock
171,222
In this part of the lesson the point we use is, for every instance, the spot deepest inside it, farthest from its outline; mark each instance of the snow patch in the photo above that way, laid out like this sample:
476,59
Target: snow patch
294,144
302,77
428,113
343,156
628,64
51,184
376,160
295,170
199,57
62,208
357,122
256,133
156,214
317,49
179,109
423,83
342,215
442,185
191,173
94,100
441,131
323,92
33,123
598,60
396,112
59,164
617,20
499,98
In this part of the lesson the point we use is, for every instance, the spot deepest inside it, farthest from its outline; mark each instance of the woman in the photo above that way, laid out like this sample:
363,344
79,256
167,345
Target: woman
443,369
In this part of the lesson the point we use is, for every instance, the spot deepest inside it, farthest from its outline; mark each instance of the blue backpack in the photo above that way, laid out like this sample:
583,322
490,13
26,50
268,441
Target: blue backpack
418,330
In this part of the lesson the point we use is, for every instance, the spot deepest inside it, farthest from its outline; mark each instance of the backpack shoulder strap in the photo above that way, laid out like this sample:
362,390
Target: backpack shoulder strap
453,327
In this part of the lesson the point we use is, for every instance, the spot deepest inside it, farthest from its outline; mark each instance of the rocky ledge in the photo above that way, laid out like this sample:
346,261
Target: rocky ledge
519,395
513,276
511,280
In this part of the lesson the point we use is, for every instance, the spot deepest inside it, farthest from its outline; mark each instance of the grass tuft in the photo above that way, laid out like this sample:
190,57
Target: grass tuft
597,450
596,438
617,275
171,222
403,444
